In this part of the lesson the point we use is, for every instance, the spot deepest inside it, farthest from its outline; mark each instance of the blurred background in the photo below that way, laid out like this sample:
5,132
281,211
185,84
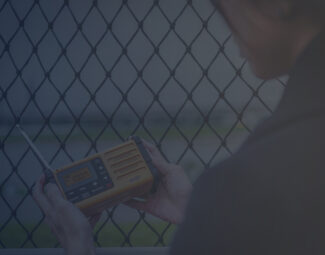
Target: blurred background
80,76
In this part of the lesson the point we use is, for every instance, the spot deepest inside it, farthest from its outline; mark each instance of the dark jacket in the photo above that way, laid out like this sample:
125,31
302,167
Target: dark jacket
268,198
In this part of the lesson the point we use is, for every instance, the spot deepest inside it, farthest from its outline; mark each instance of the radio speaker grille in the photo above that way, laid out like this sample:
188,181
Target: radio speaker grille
124,161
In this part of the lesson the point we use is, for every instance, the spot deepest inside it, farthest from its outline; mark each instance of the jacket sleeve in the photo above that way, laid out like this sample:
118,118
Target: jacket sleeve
229,212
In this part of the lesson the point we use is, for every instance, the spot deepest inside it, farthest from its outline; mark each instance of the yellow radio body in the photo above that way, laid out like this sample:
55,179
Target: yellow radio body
108,178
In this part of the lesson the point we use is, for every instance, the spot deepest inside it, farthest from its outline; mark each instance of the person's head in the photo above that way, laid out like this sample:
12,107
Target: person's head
272,33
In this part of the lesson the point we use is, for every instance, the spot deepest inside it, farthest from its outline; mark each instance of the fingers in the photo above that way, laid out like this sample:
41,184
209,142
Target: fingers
47,197
40,198
50,223
150,147
153,151
53,193
157,159
94,219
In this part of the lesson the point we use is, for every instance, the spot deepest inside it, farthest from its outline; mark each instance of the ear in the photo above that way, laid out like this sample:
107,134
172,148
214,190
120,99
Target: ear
276,9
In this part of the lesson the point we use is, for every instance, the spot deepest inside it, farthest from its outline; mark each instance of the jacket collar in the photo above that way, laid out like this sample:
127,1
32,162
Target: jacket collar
305,90
304,96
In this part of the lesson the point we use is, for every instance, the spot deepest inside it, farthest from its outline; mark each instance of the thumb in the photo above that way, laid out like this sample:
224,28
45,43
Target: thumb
53,193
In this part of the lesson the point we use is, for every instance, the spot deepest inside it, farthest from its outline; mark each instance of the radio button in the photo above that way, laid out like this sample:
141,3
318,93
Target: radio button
97,190
85,195
70,194
106,178
74,199
82,189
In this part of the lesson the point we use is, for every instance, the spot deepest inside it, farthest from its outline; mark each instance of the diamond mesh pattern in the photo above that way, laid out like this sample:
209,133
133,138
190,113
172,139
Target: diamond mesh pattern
81,76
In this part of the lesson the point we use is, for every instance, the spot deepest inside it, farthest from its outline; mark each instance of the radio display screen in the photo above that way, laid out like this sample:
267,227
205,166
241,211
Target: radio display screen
76,176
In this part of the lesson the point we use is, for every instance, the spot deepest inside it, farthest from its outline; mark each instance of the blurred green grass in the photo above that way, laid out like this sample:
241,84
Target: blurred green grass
156,131
13,236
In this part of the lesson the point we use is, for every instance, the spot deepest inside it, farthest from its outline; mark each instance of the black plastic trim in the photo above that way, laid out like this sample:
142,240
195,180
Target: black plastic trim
147,158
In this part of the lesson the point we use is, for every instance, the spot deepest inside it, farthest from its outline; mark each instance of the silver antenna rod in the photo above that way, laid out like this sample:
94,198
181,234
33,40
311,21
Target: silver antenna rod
34,149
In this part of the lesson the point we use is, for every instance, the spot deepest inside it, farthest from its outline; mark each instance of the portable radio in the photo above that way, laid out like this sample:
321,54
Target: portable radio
105,179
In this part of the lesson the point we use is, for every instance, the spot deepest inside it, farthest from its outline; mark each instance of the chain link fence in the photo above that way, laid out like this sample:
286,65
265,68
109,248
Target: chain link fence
81,76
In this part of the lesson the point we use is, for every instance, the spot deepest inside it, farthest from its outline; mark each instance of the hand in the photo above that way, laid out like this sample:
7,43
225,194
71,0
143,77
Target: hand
66,221
174,189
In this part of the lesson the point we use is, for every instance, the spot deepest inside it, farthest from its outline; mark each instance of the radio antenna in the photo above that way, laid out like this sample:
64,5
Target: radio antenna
48,169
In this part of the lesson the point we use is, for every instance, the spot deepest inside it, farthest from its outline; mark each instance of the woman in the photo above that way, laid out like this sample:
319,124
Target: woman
268,197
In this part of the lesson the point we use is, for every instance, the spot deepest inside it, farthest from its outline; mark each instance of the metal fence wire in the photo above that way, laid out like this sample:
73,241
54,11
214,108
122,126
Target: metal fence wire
81,76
